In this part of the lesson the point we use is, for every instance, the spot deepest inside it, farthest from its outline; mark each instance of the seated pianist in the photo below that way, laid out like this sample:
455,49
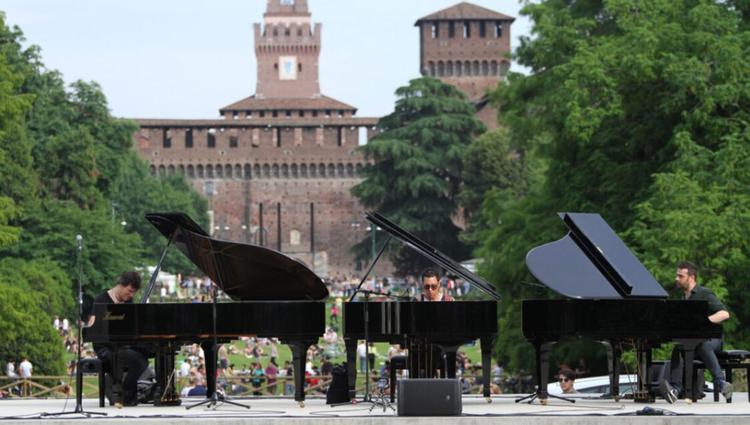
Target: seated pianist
129,358
431,289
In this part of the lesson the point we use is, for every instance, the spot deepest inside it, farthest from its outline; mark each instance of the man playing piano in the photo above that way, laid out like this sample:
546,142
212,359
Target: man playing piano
685,280
431,290
127,357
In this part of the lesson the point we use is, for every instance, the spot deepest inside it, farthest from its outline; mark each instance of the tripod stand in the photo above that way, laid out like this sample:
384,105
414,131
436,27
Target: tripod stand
215,398
79,374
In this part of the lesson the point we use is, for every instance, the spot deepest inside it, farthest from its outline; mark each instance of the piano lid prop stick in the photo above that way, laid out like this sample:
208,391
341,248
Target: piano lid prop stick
369,269
152,281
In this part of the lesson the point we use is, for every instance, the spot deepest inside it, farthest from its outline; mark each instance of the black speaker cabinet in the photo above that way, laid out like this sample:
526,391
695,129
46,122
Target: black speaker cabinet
429,397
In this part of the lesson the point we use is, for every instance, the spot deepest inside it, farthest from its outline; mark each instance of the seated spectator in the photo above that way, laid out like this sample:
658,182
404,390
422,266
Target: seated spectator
199,389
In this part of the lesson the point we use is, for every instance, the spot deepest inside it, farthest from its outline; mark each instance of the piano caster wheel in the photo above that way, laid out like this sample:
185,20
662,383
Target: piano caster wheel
488,399
543,401
118,405
302,404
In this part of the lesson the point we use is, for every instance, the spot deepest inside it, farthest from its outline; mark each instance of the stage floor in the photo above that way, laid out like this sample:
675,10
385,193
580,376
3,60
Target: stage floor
476,410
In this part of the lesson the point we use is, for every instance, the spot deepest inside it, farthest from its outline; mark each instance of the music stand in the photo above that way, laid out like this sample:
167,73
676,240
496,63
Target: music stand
215,399
79,375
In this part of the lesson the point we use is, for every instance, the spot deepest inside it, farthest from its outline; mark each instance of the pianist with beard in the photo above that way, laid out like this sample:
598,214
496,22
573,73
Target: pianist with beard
686,281
431,289
129,357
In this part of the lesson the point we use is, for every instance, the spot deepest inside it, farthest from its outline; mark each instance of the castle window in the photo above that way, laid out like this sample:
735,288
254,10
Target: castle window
451,29
449,68
284,171
275,114
167,143
275,171
435,30
219,171
303,171
340,113
338,136
440,69
349,170
467,29
266,171
262,114
498,29
190,171
313,171
161,171
288,114
431,66
301,113
211,138
299,67
209,171
256,171
493,68
482,30
199,171
233,142
315,114
467,68
235,115
293,169
328,113
189,138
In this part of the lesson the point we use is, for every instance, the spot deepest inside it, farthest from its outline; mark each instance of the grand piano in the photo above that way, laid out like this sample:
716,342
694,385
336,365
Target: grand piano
410,323
609,297
272,295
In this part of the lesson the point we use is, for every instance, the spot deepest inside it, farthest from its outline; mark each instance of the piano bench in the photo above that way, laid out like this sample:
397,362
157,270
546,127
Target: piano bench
728,360
397,363
93,365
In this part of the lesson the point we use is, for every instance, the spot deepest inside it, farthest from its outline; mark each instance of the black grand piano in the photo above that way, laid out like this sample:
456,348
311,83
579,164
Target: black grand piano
447,325
610,297
273,295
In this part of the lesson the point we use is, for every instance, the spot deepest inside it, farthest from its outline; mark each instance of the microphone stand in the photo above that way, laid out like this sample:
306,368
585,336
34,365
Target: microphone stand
79,374
213,401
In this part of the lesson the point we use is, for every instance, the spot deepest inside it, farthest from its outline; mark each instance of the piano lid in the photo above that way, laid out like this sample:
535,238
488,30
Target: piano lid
431,253
591,261
245,272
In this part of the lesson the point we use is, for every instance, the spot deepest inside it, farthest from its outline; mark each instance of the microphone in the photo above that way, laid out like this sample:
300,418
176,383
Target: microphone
79,239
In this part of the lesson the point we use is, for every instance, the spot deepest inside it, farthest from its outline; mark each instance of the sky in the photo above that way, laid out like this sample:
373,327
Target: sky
188,58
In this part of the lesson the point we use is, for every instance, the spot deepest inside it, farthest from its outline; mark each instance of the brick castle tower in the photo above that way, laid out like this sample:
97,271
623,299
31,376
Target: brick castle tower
278,166
467,46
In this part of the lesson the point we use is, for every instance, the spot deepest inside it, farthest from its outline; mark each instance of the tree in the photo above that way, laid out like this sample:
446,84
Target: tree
27,331
46,280
490,164
416,173
621,95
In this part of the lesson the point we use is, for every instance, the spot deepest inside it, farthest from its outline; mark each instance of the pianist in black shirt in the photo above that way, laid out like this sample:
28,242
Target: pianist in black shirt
129,358
431,290
686,281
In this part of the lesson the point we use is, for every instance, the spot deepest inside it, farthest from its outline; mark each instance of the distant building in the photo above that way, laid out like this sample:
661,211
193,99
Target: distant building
277,166
467,46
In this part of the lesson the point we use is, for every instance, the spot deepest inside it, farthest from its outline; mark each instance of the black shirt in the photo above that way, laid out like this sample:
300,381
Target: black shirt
704,294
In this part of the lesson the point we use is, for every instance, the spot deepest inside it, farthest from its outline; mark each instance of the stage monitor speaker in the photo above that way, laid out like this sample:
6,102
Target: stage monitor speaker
429,397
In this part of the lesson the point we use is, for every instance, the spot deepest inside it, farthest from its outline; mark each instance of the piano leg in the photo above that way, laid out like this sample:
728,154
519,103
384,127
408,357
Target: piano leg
613,365
644,355
299,356
688,347
351,366
448,369
209,351
542,350
165,394
486,346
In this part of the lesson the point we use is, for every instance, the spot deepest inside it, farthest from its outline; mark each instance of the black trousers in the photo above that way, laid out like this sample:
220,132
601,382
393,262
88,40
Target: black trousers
125,359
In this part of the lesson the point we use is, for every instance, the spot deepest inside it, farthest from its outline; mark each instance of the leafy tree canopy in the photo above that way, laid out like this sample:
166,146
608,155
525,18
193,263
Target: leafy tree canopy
638,111
417,165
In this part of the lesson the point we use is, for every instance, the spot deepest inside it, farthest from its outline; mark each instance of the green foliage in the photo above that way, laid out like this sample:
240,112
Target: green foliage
417,165
43,278
27,330
636,110
490,163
